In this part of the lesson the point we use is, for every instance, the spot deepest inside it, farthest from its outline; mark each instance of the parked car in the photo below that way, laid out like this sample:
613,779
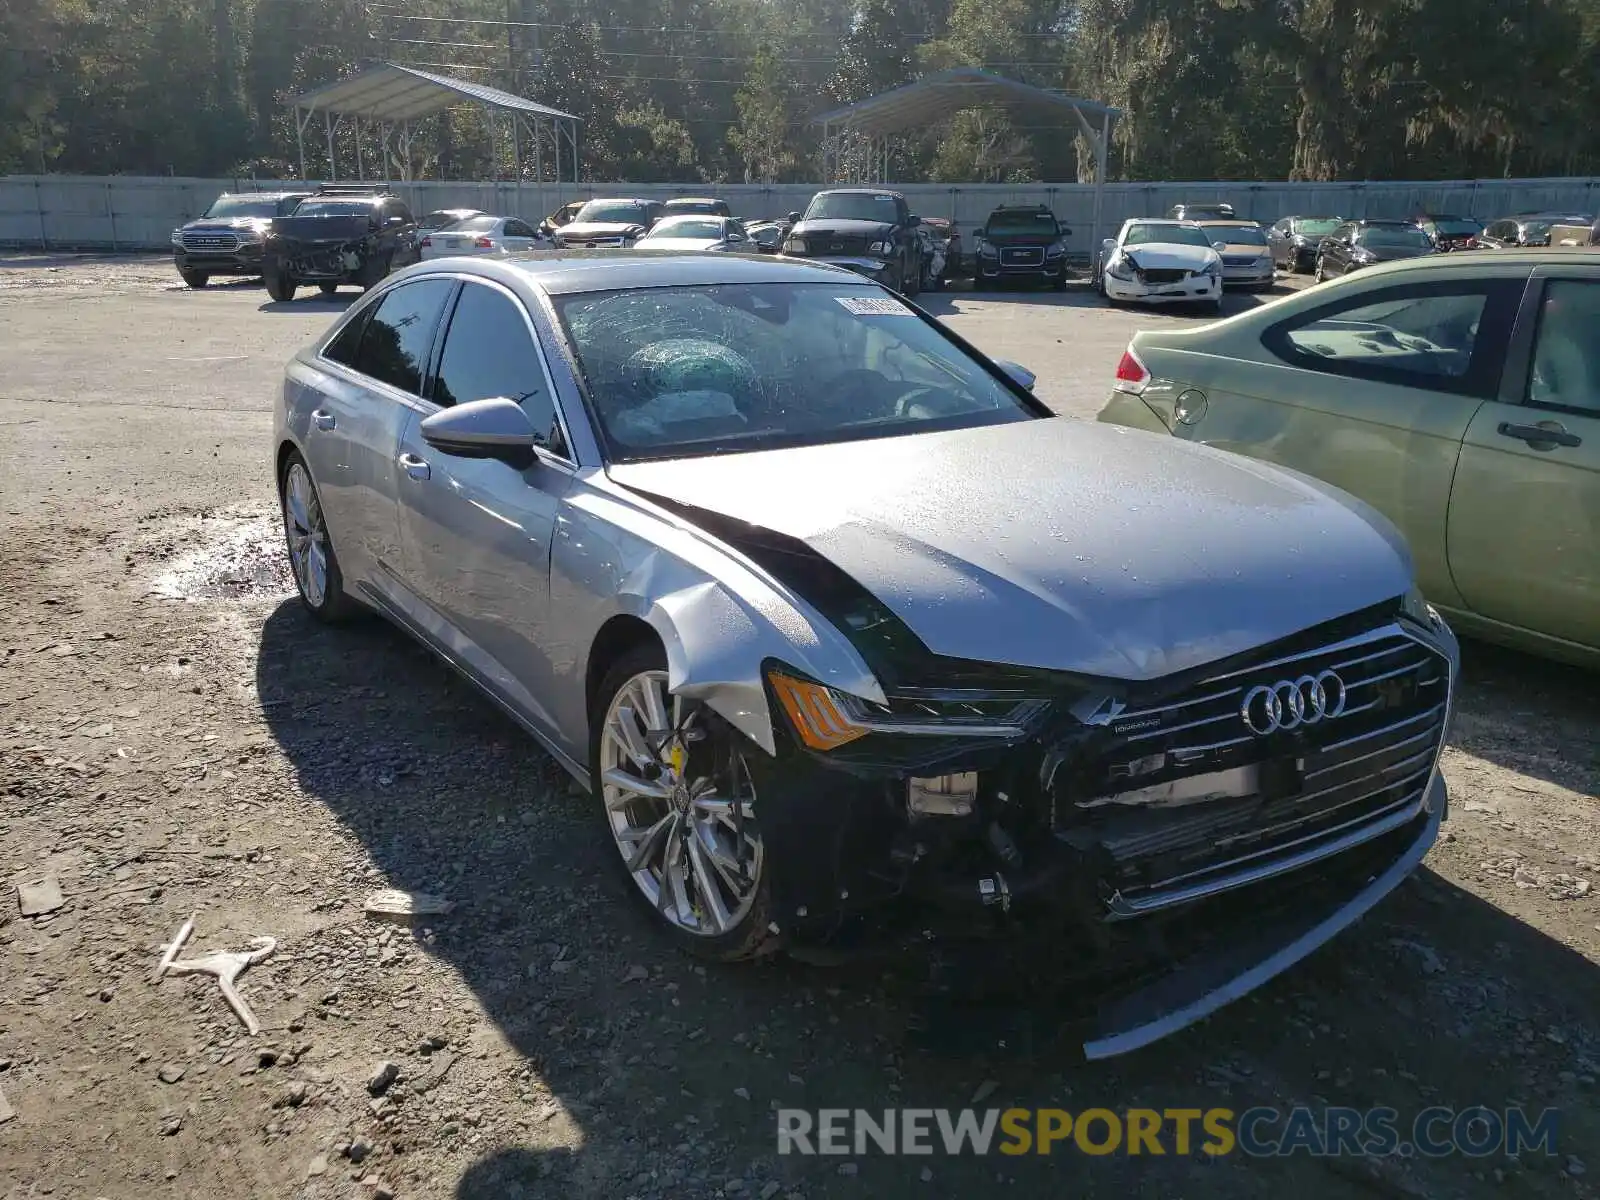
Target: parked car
1450,232
1021,242
695,233
867,230
1357,244
684,206
340,235
609,223
1526,229
944,231
483,234
1201,212
560,218
440,218
1294,240
1246,255
1575,233
1459,395
230,237
1151,261
767,236
850,638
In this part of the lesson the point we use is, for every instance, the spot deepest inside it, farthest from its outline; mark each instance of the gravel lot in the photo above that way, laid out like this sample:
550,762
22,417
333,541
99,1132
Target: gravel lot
176,739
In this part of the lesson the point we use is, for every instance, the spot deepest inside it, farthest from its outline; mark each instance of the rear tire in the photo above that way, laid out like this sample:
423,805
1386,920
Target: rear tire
281,285
1320,274
195,279
1061,284
312,560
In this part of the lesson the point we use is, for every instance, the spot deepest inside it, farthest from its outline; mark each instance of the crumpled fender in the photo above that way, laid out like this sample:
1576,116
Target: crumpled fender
719,616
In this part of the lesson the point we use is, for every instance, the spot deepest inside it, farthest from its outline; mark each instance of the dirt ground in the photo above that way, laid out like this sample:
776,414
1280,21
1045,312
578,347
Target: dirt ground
177,739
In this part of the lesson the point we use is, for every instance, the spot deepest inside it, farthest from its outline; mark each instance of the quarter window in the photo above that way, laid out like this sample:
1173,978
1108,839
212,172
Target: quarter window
399,337
347,344
1566,349
1443,337
488,352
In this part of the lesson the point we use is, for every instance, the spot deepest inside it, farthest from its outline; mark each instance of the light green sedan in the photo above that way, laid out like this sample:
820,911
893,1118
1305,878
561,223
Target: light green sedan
1459,395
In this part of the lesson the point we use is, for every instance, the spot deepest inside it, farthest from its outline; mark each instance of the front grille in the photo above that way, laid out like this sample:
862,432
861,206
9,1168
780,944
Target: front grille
1186,799
595,242
1236,260
1022,257
210,243
1164,275
836,244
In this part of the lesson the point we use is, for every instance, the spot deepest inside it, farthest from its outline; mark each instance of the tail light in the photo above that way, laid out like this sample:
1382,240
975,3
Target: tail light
484,243
1132,376
427,241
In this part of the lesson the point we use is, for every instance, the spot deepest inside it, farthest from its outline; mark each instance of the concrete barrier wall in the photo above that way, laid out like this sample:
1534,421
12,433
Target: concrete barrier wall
131,213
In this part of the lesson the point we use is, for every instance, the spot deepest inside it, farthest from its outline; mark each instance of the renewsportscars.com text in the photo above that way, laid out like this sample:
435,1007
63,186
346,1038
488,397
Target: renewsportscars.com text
1256,1132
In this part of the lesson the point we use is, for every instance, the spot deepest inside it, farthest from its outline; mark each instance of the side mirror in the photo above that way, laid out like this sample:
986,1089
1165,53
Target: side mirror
1107,243
1020,375
494,428
912,218
794,218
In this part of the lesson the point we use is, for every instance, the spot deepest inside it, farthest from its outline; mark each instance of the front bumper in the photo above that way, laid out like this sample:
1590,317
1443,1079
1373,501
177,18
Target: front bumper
318,262
1162,907
1195,289
1250,276
998,268
246,260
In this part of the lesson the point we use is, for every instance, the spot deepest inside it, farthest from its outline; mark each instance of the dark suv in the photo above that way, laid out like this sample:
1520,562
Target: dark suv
229,238
1023,242
871,231
340,235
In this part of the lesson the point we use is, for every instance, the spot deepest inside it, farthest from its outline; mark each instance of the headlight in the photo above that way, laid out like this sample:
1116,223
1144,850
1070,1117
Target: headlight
1420,611
1119,268
1213,268
248,235
177,237
881,248
1055,249
794,245
987,250
825,718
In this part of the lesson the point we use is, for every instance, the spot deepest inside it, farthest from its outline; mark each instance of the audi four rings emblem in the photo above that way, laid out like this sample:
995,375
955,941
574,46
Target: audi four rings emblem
1291,703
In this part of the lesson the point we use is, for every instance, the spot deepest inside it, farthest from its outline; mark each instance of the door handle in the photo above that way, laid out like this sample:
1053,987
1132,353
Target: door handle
413,466
1551,434
323,420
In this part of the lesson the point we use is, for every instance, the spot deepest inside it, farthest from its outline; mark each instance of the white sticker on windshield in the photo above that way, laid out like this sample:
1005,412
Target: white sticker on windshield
874,306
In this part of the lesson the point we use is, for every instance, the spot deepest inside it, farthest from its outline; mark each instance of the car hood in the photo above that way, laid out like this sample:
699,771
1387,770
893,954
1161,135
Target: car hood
823,226
683,243
575,232
1244,248
231,224
1163,256
1061,544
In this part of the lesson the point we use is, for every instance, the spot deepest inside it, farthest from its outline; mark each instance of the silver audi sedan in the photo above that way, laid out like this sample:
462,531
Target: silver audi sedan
851,640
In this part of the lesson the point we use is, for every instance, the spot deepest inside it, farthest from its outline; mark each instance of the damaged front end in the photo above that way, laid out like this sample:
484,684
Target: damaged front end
1173,844
340,260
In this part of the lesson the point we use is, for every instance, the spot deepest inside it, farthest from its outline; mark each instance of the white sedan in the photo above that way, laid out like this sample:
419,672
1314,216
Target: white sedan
696,232
484,234
1160,262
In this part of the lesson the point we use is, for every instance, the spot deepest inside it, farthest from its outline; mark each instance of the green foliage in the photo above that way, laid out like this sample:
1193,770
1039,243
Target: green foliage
707,90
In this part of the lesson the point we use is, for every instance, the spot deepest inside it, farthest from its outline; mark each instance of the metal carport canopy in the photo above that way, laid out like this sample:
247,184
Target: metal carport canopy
394,94
934,97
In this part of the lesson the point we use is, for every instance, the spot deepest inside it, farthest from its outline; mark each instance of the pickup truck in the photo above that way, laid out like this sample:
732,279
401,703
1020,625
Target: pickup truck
871,231
231,235
339,236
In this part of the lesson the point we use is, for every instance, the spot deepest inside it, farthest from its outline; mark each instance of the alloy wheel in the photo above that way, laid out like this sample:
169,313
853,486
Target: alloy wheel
683,821
307,535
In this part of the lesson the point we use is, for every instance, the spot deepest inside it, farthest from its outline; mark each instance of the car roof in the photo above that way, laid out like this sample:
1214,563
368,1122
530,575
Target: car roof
858,191
694,200
261,195
619,200
1044,208
1162,221
1385,221
1228,223
565,272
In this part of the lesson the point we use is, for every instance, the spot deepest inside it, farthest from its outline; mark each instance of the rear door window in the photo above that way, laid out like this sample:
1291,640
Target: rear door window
1439,336
399,337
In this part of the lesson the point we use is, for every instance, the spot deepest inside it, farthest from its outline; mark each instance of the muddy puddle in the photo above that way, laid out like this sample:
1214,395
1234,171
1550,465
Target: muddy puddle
238,558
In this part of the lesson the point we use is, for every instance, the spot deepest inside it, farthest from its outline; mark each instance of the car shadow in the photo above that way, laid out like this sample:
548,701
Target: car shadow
585,1029
315,302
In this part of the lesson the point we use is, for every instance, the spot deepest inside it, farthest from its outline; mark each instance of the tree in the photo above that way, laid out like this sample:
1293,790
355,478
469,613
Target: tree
761,138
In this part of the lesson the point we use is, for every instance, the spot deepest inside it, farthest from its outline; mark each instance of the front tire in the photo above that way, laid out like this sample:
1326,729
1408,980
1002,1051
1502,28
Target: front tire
1320,274
195,279
312,560
677,801
327,289
281,285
